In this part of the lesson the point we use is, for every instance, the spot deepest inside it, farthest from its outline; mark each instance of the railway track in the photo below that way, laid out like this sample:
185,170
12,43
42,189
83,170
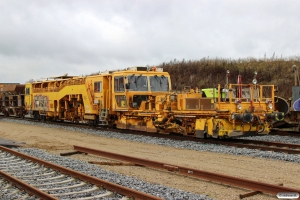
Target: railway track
173,136
249,144
257,187
262,145
239,143
285,133
27,177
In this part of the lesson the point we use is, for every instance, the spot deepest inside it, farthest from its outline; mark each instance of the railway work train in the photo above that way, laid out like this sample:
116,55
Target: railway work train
141,98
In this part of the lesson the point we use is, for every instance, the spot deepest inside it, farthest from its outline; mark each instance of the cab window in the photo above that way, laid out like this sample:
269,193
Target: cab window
98,86
121,101
159,83
119,84
137,83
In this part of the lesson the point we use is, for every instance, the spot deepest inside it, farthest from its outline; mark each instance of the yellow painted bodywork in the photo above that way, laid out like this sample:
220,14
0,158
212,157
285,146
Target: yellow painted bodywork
66,99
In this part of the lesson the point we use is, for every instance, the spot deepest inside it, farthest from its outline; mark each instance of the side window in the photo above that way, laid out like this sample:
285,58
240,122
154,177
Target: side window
98,86
27,91
119,84
121,101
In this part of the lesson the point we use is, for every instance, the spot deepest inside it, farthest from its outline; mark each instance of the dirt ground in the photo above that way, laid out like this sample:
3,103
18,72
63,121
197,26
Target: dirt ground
56,141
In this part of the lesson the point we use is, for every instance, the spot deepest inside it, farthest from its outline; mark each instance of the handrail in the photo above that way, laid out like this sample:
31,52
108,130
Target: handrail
61,86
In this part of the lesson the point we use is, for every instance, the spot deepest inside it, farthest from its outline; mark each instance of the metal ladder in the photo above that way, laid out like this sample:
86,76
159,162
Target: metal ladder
103,117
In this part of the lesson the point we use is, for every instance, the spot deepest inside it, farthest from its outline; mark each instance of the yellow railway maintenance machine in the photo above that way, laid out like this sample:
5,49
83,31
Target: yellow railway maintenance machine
124,99
235,110
140,98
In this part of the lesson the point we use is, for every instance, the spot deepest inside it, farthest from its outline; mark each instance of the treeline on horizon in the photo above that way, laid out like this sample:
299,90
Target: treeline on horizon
209,72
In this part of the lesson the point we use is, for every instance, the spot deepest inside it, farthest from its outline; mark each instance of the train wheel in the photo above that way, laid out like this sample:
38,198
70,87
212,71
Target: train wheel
200,134
207,136
37,116
261,128
216,133
76,120
95,124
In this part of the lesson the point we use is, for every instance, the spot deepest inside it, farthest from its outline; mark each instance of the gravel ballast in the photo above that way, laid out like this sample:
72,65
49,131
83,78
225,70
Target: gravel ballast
127,181
56,139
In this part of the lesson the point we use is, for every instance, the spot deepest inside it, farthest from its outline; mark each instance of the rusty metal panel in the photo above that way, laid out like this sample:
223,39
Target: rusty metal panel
15,89
3,101
20,102
192,104
206,104
41,102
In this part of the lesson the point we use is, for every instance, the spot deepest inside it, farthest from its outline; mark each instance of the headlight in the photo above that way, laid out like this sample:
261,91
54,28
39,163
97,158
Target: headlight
239,106
254,81
270,105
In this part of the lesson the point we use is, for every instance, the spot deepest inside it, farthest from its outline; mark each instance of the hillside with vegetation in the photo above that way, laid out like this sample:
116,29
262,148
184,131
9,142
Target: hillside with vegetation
209,72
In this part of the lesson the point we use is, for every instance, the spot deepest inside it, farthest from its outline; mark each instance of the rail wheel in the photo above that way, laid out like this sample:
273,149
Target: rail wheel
37,116
260,128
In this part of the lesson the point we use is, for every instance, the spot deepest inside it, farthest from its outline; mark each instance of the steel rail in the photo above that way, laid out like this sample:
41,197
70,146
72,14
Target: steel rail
278,144
259,147
285,133
239,143
230,180
28,188
96,181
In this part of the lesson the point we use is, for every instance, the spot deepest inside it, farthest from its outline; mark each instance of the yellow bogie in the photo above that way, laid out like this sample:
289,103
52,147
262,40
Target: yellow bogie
225,128
136,123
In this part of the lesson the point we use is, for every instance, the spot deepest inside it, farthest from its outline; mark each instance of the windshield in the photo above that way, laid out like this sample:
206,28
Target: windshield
159,83
137,83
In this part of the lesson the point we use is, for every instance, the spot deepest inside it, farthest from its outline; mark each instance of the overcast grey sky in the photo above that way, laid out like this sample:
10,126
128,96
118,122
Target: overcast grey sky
42,38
